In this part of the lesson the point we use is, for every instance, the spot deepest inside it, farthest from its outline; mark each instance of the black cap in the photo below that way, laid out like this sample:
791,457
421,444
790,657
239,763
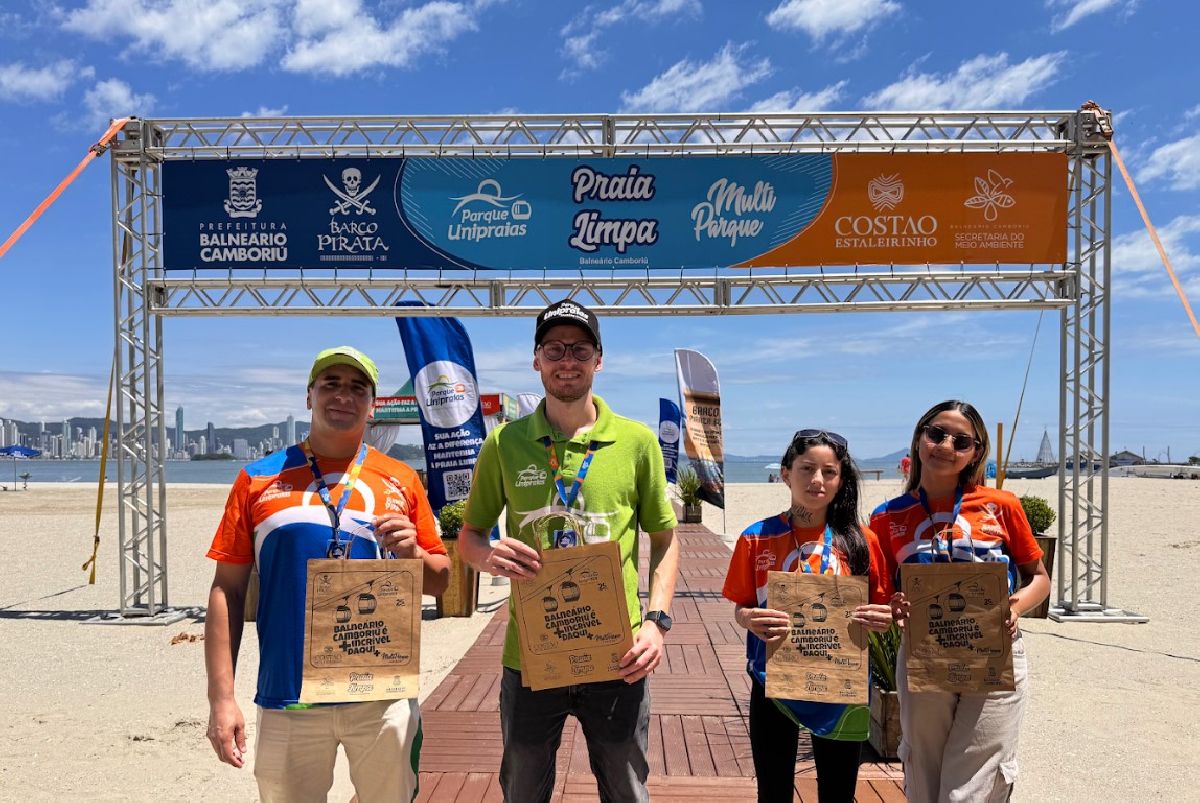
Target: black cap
567,312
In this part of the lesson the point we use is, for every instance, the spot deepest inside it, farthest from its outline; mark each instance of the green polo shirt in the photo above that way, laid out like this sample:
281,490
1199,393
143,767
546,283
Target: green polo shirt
625,489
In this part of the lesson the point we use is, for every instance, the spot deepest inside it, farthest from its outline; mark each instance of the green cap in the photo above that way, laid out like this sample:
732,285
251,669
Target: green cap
344,355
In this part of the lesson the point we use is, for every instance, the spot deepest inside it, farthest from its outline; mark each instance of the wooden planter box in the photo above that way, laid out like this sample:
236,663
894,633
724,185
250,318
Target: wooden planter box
885,722
692,514
1048,543
463,591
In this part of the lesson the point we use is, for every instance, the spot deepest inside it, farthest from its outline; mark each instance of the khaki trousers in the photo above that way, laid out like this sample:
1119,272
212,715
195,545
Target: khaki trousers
961,748
295,751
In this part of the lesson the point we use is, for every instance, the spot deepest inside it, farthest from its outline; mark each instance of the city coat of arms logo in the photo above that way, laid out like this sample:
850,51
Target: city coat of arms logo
243,193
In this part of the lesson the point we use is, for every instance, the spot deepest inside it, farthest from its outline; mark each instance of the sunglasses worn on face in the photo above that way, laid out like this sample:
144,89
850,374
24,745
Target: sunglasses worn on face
960,442
555,350
816,433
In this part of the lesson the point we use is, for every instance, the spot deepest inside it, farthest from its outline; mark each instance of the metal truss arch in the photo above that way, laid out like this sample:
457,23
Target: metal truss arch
144,293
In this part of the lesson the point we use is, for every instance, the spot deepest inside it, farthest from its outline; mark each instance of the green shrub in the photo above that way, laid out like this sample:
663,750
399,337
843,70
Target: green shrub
450,518
1039,513
687,485
884,648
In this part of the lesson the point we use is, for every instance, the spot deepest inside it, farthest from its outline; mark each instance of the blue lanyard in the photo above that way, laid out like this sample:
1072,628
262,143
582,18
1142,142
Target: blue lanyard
826,551
937,536
568,499
336,550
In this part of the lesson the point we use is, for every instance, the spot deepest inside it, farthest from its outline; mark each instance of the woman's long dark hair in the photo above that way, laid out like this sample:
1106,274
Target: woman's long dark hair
842,513
973,474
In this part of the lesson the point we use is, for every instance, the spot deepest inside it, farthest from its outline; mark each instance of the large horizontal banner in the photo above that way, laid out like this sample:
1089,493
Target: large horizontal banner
606,214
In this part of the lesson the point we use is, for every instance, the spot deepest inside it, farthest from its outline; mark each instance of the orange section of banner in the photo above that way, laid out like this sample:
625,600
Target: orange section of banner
92,153
936,208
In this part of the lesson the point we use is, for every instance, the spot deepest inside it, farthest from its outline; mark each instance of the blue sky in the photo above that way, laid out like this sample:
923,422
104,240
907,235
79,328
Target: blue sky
66,67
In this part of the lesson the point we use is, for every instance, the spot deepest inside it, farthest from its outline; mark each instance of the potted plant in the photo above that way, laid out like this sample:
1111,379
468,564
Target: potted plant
1041,517
463,590
687,487
884,734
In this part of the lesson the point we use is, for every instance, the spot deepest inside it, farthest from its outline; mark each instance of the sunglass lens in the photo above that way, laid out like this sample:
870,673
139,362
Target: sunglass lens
962,442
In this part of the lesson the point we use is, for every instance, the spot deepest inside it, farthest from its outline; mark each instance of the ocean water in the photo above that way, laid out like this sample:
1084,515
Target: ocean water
223,472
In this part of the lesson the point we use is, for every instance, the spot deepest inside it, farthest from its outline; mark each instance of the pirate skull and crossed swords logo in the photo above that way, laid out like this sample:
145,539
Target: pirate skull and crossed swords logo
353,196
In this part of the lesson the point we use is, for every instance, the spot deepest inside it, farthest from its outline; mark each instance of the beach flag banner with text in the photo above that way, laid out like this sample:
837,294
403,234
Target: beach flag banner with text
702,438
442,366
664,212
668,436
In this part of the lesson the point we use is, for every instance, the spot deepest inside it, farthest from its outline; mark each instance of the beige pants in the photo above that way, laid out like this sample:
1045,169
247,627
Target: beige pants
961,748
295,751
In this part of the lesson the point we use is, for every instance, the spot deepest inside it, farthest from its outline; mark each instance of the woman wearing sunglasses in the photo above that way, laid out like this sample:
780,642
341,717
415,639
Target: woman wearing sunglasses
960,746
819,531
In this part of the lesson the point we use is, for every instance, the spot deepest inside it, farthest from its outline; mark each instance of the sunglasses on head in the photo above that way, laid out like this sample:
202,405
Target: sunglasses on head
555,350
961,443
833,437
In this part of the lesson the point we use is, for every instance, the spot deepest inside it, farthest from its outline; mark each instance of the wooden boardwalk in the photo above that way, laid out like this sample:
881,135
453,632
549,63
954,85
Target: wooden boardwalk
699,738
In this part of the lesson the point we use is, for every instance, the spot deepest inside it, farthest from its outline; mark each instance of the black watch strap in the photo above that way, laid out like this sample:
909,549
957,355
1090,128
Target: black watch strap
660,618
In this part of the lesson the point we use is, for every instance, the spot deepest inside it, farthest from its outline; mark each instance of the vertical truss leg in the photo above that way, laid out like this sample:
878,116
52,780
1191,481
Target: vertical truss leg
1084,396
141,428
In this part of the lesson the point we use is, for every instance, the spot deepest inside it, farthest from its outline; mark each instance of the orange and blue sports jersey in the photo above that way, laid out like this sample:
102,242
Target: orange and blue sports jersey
990,527
772,545
275,518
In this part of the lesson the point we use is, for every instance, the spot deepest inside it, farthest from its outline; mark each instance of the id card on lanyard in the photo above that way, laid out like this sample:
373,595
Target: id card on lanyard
569,536
949,531
336,548
826,553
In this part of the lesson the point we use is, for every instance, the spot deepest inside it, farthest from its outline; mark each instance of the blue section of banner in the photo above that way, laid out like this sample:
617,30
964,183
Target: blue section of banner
442,366
521,213
669,434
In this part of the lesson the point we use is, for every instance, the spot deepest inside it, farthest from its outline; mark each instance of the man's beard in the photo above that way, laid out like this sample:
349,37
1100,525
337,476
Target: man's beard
567,396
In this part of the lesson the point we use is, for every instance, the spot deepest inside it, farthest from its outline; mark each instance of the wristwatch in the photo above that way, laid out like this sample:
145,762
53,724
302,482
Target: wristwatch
659,618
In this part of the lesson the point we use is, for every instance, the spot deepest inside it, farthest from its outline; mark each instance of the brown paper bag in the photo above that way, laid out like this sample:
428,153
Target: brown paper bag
824,656
955,638
573,620
362,630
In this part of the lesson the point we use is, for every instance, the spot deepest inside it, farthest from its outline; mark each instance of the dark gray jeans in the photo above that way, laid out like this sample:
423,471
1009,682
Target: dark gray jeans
615,717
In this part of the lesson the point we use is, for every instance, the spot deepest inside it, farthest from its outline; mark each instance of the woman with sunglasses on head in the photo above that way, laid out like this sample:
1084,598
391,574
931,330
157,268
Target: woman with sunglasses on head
960,747
819,532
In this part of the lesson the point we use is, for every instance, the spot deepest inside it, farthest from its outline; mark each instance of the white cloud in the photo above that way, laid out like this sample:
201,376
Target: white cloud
793,100
580,45
343,38
984,82
114,98
822,18
1134,252
1078,9
214,35
21,83
694,86
1178,161
265,111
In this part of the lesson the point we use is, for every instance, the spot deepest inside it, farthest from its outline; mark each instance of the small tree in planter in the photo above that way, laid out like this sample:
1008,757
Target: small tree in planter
450,517
687,486
884,734
463,590
1041,517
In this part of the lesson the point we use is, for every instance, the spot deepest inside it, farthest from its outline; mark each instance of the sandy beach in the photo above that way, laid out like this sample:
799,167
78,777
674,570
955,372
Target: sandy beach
119,713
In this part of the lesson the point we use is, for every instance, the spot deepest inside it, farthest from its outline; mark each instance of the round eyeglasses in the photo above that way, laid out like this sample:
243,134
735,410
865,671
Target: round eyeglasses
555,350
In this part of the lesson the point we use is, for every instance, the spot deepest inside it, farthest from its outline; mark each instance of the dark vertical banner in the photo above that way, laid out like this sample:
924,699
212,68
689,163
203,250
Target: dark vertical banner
668,436
442,366
702,435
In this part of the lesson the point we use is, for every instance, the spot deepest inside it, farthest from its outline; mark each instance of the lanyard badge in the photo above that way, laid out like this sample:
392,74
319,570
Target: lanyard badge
949,531
336,548
567,537
826,552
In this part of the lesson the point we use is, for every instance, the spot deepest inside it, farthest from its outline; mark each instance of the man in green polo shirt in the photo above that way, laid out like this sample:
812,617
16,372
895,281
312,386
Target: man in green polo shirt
613,482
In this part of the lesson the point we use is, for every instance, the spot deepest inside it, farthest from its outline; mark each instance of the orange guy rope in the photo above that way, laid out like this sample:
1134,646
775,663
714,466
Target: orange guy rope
1162,252
92,153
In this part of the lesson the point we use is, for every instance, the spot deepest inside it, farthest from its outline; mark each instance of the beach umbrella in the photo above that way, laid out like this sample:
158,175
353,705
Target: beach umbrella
16,451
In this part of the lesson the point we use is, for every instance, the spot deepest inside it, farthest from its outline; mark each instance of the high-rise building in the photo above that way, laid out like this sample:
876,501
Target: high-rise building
3,433
241,448
180,438
66,433
212,439
202,446
291,430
